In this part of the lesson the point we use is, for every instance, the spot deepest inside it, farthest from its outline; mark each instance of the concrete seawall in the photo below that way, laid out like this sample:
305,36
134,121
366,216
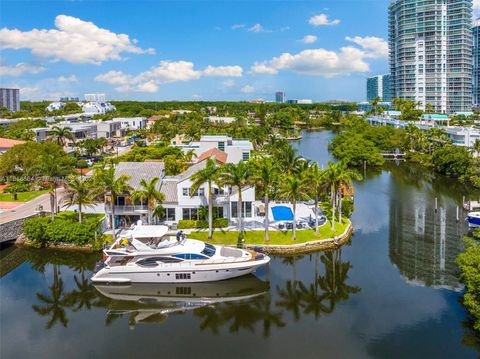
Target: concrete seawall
313,246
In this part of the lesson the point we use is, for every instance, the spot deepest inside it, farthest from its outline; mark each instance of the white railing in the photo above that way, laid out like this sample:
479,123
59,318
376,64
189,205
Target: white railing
127,209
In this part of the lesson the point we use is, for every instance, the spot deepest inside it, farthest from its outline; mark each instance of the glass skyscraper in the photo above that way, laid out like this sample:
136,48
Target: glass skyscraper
379,86
476,65
431,52
10,98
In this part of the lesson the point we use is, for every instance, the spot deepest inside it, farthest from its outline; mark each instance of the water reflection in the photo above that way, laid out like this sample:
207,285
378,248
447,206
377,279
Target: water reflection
423,241
153,303
240,304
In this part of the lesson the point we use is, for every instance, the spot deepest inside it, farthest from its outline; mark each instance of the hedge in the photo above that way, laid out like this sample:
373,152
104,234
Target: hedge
41,230
217,223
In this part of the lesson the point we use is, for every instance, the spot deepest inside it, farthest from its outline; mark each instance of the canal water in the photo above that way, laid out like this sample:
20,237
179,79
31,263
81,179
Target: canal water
392,292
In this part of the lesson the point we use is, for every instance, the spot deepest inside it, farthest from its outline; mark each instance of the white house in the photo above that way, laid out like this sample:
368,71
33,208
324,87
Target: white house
236,149
109,129
97,108
55,106
180,203
132,123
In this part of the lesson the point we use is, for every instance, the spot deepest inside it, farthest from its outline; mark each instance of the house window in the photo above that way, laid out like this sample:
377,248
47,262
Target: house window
201,191
221,146
190,213
170,214
246,212
245,156
185,192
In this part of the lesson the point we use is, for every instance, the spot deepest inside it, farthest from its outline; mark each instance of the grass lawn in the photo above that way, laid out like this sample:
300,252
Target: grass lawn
21,196
276,237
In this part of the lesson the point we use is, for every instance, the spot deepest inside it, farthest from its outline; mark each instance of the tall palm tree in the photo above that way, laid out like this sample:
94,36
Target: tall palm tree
208,175
266,174
61,134
53,168
237,175
293,189
109,184
150,194
338,177
317,187
80,192
374,103
476,146
289,161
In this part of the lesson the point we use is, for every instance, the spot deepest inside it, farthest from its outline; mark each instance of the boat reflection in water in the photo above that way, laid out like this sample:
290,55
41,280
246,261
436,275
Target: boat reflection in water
153,303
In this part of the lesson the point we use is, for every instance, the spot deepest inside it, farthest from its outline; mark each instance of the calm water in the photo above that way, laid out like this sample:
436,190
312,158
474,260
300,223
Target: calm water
391,293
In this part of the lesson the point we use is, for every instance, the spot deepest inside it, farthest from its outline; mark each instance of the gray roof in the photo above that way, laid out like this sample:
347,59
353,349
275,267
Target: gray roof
190,171
169,189
138,171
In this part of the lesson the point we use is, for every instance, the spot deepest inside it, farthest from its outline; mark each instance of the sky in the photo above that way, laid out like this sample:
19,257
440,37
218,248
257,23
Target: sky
193,50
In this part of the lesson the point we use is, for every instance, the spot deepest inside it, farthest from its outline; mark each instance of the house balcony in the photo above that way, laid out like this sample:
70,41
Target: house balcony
127,209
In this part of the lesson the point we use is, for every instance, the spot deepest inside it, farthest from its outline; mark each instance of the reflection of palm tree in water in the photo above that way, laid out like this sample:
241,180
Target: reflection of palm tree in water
55,303
84,295
333,283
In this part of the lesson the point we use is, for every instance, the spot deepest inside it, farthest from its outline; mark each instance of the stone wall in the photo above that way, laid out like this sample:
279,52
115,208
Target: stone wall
10,231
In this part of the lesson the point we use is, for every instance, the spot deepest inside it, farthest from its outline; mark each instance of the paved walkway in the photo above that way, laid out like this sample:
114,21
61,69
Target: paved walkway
28,208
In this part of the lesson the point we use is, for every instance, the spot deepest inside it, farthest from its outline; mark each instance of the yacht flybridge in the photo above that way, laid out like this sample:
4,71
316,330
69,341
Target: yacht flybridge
147,254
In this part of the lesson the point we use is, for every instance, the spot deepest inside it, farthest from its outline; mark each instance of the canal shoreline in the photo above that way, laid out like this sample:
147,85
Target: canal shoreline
306,247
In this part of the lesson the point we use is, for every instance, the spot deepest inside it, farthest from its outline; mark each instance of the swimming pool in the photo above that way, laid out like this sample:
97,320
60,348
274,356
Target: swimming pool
282,213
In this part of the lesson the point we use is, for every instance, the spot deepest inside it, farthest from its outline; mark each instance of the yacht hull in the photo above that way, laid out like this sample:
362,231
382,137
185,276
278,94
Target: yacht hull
184,274
473,219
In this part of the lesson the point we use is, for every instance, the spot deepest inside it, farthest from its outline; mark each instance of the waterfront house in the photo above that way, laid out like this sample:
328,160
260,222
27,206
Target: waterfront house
180,203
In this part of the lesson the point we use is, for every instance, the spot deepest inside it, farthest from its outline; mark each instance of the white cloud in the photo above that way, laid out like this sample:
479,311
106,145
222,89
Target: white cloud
73,40
375,46
316,62
309,39
196,96
227,71
247,89
322,20
238,26
256,28
229,83
19,69
165,72
71,78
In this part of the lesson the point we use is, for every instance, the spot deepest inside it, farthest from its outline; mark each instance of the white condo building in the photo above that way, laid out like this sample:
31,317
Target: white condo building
431,53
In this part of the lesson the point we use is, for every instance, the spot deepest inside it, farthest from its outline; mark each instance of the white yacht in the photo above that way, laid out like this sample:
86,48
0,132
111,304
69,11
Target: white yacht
148,255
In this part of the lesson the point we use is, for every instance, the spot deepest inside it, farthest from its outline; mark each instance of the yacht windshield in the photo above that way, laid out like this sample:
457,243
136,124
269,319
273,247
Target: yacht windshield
209,250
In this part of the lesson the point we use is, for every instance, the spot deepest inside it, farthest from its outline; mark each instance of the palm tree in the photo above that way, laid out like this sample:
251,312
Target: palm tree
54,168
476,146
208,175
237,175
317,187
266,177
150,194
338,177
289,160
374,103
79,192
108,183
293,189
61,134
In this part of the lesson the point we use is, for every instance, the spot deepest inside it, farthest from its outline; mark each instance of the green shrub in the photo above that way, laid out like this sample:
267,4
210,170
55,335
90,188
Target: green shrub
217,223
64,229
82,164
34,229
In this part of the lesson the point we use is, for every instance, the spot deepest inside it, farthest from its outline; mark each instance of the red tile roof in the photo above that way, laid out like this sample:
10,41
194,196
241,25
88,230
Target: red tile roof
220,156
8,143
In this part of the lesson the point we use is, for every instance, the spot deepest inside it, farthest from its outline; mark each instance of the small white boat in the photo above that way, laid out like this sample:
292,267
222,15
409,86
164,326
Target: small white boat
148,255
473,219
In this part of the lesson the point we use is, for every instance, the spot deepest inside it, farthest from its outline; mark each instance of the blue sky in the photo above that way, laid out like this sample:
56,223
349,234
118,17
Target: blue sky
187,50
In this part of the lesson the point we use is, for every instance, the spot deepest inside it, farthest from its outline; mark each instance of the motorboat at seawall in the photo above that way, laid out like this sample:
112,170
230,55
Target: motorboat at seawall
473,219
147,254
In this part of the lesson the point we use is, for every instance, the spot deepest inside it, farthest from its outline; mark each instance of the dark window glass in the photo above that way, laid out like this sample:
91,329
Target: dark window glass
209,250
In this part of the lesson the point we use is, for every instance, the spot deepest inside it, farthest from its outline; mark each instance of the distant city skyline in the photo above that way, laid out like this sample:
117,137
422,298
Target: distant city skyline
192,50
